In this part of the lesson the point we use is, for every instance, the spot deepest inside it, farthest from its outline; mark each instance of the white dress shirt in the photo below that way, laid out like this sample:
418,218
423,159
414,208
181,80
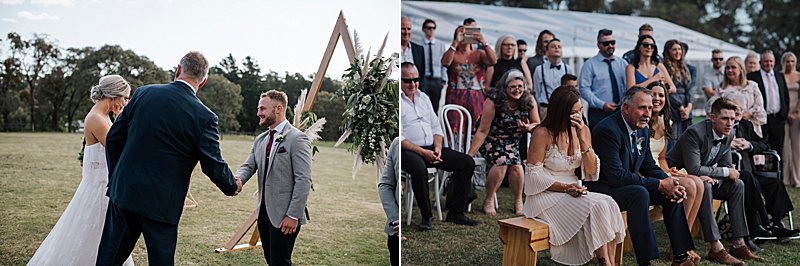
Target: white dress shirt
434,50
546,79
419,122
773,103
407,55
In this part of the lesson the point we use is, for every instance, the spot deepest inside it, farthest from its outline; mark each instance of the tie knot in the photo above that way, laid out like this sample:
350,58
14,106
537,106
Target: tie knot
556,66
718,141
608,60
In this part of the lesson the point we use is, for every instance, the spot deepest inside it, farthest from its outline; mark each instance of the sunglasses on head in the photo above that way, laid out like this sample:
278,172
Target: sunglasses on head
649,45
609,43
408,81
717,58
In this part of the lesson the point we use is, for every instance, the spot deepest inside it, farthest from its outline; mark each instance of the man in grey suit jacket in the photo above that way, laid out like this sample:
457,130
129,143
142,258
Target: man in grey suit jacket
390,196
282,157
704,149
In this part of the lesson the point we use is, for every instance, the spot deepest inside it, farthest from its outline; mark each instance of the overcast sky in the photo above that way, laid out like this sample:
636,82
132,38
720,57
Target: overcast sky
281,35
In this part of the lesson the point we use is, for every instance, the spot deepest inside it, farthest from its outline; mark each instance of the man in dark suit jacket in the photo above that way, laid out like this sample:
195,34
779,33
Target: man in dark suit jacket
152,149
704,149
629,174
776,100
417,52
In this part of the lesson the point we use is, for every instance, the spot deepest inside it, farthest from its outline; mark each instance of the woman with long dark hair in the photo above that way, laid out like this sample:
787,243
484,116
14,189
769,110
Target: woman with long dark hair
683,76
645,68
582,224
508,115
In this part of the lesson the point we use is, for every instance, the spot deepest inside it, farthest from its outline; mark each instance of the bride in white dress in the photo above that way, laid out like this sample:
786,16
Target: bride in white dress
76,236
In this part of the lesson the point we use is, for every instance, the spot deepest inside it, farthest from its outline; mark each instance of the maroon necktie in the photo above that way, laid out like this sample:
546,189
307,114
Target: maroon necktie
269,146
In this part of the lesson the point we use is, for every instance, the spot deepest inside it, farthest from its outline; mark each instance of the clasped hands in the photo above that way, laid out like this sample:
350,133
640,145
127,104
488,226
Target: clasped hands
238,185
575,190
431,156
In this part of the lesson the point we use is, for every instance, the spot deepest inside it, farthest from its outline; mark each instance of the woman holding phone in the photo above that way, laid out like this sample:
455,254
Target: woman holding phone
508,114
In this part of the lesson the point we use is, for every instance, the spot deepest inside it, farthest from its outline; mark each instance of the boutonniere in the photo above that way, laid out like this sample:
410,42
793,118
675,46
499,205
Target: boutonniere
281,138
639,144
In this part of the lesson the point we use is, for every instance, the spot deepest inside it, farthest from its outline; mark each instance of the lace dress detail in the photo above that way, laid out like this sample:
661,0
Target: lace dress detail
76,236
578,226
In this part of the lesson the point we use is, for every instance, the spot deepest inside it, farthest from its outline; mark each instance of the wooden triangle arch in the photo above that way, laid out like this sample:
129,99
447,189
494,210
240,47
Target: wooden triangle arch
339,30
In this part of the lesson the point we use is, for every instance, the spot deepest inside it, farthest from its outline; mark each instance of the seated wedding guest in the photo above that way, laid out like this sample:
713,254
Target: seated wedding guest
506,50
541,47
705,150
569,80
508,115
645,67
683,77
422,140
776,199
466,72
713,79
547,77
629,174
791,164
751,63
660,134
389,192
744,93
582,225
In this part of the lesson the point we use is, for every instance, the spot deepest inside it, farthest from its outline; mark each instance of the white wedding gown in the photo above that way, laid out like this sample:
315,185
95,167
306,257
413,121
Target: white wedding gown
76,236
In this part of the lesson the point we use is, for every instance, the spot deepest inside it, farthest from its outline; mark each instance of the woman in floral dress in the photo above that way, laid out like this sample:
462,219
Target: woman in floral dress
466,71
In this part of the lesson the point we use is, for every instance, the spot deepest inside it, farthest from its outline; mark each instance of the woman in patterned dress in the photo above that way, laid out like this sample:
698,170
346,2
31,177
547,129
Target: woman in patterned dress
466,73
506,116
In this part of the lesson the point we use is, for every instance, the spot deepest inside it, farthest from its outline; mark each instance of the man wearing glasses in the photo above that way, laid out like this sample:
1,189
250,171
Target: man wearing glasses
435,73
602,79
713,80
421,147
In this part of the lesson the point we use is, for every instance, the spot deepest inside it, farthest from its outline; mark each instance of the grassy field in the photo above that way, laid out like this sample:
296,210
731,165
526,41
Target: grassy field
39,174
450,244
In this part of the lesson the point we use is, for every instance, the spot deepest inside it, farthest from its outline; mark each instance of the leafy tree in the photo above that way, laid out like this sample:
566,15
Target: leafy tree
331,107
35,57
224,98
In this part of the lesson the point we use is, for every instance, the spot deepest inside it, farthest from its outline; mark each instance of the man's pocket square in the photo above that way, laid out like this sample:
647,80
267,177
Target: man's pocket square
281,150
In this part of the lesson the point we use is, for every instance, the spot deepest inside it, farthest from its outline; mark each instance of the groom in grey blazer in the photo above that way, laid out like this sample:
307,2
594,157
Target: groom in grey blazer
282,157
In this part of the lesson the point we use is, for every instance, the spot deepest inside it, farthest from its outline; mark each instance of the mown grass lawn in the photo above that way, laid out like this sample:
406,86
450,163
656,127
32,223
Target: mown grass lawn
39,174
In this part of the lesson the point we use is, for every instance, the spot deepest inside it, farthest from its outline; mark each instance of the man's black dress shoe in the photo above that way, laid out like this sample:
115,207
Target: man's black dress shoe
753,247
760,231
426,224
460,218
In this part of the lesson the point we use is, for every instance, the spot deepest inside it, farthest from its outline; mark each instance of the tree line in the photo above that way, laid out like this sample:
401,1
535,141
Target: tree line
44,87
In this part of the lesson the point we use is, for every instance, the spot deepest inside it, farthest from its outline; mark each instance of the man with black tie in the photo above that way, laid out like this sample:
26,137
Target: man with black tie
776,100
410,51
602,79
436,75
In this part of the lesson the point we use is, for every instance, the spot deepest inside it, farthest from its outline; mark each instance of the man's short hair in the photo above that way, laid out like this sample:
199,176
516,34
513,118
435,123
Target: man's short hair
427,20
628,98
602,33
468,21
716,51
194,65
521,42
407,65
767,52
645,27
723,104
278,96
566,78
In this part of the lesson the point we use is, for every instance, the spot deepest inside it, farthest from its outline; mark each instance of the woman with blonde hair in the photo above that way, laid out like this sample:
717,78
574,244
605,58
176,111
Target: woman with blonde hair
743,92
506,51
751,63
791,152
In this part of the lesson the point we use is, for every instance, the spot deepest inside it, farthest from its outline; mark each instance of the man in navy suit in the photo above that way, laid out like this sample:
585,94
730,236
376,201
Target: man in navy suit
629,174
775,94
151,150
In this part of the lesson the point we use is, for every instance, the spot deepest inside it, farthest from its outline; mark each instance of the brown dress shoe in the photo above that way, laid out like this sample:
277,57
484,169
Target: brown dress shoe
723,257
744,253
687,262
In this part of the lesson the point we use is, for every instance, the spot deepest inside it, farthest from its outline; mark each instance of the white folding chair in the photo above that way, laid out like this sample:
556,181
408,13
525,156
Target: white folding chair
434,176
460,140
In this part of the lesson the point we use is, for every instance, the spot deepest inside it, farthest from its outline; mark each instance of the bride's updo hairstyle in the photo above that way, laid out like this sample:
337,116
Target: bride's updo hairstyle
110,86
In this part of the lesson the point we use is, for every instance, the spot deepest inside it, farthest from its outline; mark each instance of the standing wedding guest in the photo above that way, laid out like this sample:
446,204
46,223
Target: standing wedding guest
582,224
751,63
541,47
661,134
411,51
713,79
775,95
149,167
435,73
547,77
705,150
645,29
522,50
629,174
422,147
466,72
389,192
507,59
76,235
507,115
602,79
683,77
645,67
742,92
791,163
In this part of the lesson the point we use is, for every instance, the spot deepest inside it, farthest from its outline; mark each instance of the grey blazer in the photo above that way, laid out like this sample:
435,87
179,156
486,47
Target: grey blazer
693,147
388,190
285,184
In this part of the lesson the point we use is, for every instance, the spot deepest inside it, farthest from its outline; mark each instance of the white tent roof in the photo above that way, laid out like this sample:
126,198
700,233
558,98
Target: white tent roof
576,30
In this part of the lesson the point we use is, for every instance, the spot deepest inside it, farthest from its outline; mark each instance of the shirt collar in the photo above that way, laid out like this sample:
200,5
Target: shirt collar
765,73
416,96
716,137
630,131
280,127
187,84
426,41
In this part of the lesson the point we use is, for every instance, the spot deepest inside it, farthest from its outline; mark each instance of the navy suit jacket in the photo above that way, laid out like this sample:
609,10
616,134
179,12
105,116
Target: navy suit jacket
783,91
418,52
154,145
618,166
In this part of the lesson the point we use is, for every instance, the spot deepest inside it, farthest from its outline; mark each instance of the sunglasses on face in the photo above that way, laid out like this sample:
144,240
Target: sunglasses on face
408,81
522,50
716,59
649,45
429,27
609,43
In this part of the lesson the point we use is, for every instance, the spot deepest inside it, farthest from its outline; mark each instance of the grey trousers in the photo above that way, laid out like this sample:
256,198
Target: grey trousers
733,193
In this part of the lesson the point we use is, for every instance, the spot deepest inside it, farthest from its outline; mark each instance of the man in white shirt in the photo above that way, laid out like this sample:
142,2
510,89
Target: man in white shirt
547,77
421,144
435,74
